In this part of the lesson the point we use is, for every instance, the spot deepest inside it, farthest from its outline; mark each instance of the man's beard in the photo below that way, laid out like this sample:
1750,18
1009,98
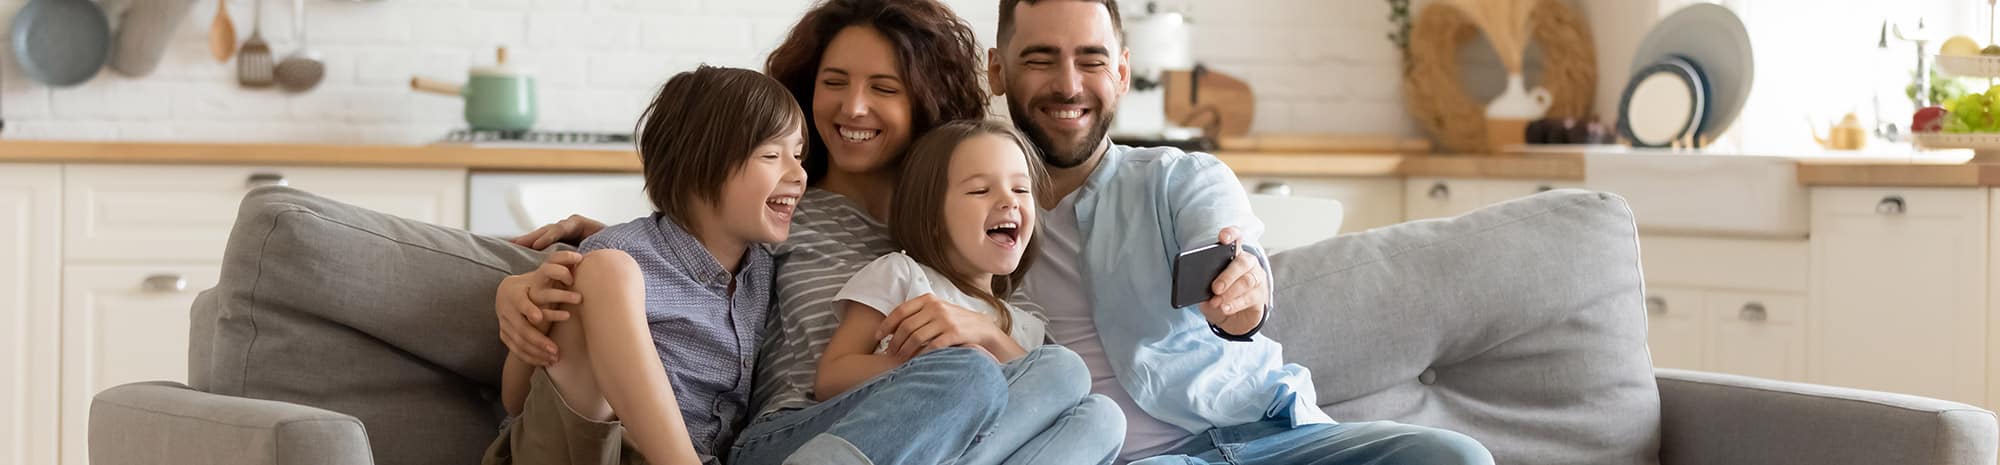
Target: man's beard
1046,144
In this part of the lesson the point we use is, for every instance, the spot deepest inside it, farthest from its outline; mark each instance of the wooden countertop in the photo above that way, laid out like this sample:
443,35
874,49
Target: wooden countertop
1926,171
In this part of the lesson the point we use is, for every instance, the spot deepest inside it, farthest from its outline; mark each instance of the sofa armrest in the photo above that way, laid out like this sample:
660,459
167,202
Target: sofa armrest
170,423
1716,419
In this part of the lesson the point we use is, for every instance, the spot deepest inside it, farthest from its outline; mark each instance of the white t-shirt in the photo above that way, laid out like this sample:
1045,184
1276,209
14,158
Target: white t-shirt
1057,284
896,278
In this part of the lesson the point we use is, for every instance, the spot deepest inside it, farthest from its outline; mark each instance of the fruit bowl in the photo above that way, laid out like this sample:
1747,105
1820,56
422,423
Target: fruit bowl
1985,146
1986,66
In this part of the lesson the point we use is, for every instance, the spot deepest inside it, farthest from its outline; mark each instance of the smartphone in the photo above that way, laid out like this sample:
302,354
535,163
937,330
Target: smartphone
1195,272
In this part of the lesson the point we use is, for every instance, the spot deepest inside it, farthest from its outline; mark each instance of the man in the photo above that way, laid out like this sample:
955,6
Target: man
1196,386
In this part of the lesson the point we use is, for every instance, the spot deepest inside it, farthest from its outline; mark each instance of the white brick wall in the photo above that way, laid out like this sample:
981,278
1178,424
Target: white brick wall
1316,65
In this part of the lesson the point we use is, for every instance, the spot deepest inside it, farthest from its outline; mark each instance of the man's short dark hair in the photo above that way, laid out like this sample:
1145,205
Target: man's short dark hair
700,130
1007,18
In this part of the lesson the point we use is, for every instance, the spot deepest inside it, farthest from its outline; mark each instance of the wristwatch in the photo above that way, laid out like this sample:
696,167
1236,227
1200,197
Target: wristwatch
1246,337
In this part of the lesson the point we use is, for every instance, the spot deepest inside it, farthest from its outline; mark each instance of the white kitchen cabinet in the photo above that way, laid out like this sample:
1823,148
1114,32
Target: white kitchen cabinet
125,213
1756,334
1676,333
1425,198
30,286
1368,202
1898,296
122,324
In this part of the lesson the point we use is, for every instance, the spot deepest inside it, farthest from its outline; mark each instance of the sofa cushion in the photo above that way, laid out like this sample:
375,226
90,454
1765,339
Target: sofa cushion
386,319
1521,325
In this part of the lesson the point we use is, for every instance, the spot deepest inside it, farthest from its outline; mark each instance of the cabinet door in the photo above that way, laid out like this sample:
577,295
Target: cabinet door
118,214
1898,294
121,324
30,283
1425,198
1761,335
1675,332
1367,203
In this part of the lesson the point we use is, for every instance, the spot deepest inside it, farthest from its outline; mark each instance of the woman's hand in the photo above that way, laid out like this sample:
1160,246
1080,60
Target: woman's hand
573,229
526,305
929,323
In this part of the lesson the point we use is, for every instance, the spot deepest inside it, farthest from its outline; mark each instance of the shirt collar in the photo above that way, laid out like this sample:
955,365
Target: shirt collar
689,254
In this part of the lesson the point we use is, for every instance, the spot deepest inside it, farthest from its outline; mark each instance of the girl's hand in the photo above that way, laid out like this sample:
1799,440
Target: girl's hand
929,323
526,305
573,229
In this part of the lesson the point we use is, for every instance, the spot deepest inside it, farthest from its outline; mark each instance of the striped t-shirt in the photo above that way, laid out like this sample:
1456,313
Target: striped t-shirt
831,239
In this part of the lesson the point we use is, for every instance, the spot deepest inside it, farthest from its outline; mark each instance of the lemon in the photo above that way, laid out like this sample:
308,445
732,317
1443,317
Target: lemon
1959,46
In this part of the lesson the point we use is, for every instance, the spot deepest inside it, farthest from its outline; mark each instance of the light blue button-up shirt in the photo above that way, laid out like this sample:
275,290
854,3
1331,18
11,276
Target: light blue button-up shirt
1138,210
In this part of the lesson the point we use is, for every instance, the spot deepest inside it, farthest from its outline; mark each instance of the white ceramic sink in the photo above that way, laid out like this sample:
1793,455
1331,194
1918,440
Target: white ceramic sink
1707,194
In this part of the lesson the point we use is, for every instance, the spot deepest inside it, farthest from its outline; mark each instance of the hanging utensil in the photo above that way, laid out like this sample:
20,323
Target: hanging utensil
302,70
61,42
144,30
253,62
222,33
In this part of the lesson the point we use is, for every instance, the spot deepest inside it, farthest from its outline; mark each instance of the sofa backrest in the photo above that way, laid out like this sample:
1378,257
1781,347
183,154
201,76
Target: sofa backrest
1521,325
383,318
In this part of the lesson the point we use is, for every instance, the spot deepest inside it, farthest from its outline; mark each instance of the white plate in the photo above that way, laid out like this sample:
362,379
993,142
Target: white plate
1714,39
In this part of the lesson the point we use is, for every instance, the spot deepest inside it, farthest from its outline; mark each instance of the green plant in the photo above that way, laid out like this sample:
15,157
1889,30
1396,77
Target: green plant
1399,19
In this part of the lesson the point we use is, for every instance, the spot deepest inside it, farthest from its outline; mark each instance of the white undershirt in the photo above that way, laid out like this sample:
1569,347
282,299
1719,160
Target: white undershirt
1056,283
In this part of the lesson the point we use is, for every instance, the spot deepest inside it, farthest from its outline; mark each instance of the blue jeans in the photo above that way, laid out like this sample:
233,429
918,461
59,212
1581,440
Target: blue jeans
1051,416
949,406
1275,442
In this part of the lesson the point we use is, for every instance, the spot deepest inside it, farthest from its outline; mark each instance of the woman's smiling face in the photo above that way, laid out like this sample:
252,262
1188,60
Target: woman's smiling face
860,103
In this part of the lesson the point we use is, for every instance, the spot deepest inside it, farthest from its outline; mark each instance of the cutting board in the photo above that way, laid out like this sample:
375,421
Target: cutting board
1225,105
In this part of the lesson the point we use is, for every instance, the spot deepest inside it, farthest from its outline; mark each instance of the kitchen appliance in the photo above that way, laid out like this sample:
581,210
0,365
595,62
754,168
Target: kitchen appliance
61,43
497,98
1160,42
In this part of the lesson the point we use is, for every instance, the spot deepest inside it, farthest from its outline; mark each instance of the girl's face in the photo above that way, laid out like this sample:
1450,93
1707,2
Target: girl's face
756,202
860,104
987,193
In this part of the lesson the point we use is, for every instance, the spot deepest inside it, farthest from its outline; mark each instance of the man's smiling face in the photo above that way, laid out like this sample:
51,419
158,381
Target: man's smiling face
1062,70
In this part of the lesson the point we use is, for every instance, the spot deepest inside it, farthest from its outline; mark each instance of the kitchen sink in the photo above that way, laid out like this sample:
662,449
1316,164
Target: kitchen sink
1704,193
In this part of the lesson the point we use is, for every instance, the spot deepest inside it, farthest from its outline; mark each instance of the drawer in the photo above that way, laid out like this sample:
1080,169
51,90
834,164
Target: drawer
1899,202
1366,202
122,324
1727,263
123,213
1425,198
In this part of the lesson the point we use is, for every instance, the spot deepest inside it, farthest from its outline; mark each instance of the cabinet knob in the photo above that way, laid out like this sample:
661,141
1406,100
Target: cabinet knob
1544,188
166,283
1439,191
1656,305
1753,311
1891,205
1274,188
266,179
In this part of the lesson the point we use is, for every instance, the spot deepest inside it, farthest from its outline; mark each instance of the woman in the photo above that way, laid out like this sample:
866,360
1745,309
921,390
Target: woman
873,74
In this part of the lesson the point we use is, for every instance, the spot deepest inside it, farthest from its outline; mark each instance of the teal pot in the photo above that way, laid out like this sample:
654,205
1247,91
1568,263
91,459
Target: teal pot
497,98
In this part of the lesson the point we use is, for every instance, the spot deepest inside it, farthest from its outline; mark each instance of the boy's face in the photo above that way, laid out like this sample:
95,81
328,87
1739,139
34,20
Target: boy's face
757,202
1062,72
987,189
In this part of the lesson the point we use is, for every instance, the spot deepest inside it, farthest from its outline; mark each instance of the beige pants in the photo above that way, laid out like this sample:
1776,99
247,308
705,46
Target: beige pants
549,432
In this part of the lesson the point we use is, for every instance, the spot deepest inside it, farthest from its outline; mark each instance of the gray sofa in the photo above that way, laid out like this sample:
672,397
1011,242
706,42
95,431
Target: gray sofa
343,336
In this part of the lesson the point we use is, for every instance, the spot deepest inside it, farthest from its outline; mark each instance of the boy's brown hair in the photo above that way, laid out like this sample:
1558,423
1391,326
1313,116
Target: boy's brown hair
699,131
918,208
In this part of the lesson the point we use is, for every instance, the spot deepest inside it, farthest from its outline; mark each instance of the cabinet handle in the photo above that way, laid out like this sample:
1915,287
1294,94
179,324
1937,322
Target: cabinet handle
166,283
266,179
1274,188
1656,305
1753,311
1544,188
1891,205
1439,191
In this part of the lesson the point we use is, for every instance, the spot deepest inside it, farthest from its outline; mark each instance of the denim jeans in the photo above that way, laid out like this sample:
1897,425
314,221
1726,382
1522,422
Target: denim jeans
1276,442
1051,416
926,412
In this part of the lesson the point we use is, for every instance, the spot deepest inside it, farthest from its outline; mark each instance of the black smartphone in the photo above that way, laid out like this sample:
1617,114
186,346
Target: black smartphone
1195,271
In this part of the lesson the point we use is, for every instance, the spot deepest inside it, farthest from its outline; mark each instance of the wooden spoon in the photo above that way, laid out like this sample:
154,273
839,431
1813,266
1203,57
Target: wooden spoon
222,33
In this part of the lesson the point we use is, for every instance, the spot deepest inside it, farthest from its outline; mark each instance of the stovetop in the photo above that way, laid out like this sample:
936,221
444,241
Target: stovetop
531,138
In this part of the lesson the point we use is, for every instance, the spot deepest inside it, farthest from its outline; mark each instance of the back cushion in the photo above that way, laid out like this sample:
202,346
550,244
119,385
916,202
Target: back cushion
386,319
1521,325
